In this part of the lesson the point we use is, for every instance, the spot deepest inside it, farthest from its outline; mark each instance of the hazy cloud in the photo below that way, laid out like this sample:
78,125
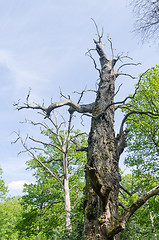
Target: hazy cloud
18,185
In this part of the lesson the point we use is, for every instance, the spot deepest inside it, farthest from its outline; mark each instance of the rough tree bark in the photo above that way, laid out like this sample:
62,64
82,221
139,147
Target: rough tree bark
102,169
103,153
102,181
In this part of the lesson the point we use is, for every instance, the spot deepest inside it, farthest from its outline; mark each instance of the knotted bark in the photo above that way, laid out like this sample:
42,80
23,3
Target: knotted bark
102,171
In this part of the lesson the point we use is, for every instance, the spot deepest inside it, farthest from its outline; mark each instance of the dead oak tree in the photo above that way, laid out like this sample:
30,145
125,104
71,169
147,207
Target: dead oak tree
104,149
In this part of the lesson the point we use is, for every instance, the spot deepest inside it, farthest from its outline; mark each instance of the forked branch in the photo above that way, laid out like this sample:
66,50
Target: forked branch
149,114
120,223
38,160
130,193
86,108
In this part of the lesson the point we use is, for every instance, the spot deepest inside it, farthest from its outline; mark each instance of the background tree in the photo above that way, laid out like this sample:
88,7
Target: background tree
59,171
3,188
10,212
147,18
143,137
143,154
42,210
43,207
144,223
104,149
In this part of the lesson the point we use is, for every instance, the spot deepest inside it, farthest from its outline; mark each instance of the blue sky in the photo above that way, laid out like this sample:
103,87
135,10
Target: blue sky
43,46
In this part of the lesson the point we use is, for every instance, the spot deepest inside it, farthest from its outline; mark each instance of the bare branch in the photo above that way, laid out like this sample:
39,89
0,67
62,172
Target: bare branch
73,173
62,95
82,93
119,224
124,56
125,190
73,107
46,144
27,106
131,193
78,134
125,74
46,152
81,149
99,36
136,89
41,163
113,51
87,108
15,140
69,131
27,98
121,205
150,114
51,160
55,124
45,126
122,194
147,18
118,89
136,205
127,64
88,53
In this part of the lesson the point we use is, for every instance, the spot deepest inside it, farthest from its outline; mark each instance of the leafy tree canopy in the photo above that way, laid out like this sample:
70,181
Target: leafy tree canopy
144,224
143,138
3,188
43,212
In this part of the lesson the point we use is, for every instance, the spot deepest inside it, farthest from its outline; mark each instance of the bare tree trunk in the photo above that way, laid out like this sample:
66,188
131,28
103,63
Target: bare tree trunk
152,225
68,224
102,171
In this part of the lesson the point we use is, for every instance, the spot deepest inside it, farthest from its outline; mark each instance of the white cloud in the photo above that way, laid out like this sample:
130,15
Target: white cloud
22,77
18,185
13,164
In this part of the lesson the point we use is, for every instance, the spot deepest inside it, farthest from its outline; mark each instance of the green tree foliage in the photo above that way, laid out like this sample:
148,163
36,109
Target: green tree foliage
10,212
143,157
144,224
143,138
43,202
3,188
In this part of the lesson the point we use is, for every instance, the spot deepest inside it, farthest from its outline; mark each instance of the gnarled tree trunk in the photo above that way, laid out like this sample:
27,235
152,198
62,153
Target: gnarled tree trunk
102,171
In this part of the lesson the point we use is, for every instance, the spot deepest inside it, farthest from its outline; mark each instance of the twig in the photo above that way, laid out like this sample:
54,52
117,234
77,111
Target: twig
46,144
99,36
118,89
